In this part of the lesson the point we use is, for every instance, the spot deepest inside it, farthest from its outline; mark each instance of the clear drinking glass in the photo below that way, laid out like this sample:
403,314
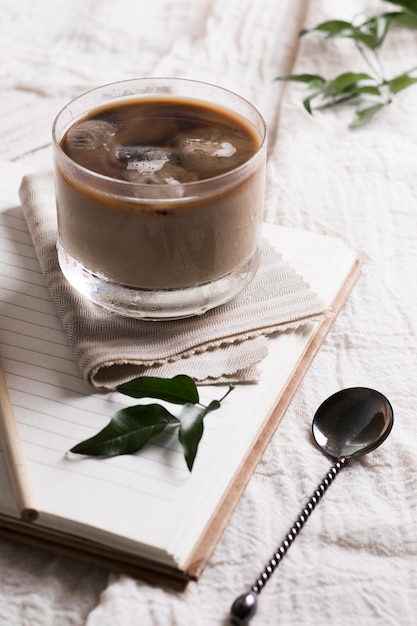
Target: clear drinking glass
139,232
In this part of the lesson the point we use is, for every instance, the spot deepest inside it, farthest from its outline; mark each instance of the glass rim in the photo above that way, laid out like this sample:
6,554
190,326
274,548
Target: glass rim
135,185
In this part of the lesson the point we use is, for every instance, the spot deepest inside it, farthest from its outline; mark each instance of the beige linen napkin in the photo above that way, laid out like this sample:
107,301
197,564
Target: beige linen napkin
223,345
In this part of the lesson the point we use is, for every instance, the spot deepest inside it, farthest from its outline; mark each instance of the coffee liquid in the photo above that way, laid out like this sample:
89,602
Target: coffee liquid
153,193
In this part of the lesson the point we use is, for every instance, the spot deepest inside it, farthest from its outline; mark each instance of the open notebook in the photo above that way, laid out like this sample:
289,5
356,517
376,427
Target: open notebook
144,514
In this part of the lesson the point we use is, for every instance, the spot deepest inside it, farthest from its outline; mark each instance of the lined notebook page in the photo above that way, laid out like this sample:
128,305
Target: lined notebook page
146,503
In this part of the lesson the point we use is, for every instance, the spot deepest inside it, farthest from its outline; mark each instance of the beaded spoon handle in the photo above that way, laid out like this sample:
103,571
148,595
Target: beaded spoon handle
350,423
244,607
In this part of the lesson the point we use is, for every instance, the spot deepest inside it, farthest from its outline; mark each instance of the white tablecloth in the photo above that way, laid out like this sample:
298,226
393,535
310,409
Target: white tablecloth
356,560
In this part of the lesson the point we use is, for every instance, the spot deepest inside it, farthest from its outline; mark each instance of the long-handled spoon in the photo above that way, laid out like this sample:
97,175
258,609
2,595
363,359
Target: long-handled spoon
348,424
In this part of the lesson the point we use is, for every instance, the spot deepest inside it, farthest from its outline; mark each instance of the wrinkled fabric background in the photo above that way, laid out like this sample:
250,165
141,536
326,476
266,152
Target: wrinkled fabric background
356,560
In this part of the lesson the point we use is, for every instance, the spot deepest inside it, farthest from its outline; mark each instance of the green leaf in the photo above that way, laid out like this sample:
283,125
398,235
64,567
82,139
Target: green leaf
213,406
348,79
127,432
178,390
369,89
370,40
365,113
407,5
382,25
401,82
302,78
358,90
378,27
407,20
340,28
349,85
315,84
332,27
314,89
192,426
191,430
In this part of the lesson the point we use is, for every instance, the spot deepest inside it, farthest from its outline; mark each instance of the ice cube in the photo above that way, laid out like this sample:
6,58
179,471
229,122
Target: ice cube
197,147
168,175
151,165
211,151
166,183
146,160
90,134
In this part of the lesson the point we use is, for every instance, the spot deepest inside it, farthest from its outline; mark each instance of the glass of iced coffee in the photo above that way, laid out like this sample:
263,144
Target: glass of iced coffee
159,190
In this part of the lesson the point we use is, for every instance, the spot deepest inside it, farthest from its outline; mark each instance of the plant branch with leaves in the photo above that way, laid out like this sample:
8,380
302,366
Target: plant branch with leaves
132,427
372,91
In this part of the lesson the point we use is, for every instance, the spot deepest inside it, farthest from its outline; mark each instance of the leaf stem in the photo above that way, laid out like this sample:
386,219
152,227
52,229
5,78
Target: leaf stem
231,387
335,102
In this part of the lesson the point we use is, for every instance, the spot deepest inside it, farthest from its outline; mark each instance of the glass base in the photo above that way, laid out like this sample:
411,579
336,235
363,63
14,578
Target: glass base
161,304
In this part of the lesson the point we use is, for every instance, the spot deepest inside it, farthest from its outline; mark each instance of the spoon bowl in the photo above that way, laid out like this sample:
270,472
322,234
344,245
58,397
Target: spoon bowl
350,423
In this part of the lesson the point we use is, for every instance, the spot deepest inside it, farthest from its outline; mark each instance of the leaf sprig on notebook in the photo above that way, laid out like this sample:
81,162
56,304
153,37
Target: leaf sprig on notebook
371,91
132,427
